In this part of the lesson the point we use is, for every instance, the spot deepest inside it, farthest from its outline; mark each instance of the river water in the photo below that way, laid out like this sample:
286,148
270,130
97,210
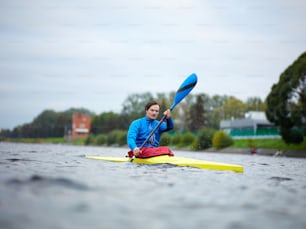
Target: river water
55,186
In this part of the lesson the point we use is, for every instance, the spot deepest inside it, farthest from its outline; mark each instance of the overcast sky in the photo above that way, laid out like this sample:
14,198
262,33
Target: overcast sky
60,54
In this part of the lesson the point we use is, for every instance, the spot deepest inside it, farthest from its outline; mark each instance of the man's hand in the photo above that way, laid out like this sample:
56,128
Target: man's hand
167,113
136,151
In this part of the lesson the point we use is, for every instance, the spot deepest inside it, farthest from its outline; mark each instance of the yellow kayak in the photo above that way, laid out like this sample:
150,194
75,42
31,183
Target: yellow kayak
178,161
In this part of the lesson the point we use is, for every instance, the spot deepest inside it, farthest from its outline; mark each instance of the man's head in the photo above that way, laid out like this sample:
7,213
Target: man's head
152,110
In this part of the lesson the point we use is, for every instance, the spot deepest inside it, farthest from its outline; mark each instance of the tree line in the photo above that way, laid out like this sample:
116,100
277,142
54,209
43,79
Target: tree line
194,113
285,106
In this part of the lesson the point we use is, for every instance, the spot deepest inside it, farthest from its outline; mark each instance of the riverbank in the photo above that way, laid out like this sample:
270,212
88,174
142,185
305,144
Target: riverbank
265,152
240,148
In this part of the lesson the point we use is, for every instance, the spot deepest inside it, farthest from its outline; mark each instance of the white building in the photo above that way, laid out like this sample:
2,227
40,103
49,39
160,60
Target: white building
255,124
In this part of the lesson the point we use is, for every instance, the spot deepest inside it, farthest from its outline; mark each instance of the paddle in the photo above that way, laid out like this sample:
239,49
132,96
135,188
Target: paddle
181,93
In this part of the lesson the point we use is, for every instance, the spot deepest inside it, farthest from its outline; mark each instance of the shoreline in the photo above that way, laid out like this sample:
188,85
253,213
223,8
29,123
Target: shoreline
229,150
264,152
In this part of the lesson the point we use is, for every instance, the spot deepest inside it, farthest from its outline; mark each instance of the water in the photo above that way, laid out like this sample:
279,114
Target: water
54,186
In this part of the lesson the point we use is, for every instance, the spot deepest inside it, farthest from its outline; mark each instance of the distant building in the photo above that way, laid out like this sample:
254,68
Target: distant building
255,124
81,124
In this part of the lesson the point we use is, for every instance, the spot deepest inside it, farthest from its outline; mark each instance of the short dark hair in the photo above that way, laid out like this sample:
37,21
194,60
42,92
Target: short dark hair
149,104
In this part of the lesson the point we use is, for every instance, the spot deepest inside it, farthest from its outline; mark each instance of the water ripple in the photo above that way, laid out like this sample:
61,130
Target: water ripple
47,182
280,178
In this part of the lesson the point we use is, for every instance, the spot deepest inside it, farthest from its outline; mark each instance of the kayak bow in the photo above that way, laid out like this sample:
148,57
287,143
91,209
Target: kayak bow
178,161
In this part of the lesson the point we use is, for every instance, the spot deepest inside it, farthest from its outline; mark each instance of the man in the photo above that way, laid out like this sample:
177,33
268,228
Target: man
141,128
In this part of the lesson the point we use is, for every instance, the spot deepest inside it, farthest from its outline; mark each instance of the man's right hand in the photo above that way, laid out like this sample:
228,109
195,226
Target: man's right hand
136,151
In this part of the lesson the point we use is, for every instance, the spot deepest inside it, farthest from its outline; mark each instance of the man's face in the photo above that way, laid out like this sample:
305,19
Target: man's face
152,112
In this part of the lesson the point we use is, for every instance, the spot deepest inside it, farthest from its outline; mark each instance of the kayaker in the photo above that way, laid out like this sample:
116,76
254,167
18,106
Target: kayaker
140,129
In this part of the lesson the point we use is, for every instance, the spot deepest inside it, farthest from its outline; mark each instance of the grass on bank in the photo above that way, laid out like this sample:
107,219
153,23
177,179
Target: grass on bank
45,140
238,143
268,144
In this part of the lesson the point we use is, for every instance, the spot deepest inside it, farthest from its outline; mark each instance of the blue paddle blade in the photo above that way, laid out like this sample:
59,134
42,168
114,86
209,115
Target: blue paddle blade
184,89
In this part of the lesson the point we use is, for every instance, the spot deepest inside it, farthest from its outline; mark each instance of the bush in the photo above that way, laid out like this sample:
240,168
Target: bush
90,139
165,140
195,144
187,140
121,137
205,137
100,139
175,140
221,140
116,137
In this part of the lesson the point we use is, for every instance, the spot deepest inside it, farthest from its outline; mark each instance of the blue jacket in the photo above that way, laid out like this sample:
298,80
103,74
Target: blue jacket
140,129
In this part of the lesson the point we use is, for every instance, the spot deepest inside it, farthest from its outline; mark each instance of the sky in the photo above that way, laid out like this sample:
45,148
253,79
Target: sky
92,54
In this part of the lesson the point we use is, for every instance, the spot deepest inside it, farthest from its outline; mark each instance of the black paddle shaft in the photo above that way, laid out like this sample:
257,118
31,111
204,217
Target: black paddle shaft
153,131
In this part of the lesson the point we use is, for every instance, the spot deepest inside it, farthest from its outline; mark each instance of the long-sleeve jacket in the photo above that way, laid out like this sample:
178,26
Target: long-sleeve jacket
140,129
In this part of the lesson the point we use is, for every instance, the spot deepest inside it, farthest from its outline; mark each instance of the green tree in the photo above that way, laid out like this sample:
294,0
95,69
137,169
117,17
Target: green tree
214,108
134,106
163,102
234,108
48,123
196,118
286,102
255,104
105,123
44,125
181,117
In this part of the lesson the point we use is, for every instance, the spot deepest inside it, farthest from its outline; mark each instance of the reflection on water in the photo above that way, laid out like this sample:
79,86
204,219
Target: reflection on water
54,186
